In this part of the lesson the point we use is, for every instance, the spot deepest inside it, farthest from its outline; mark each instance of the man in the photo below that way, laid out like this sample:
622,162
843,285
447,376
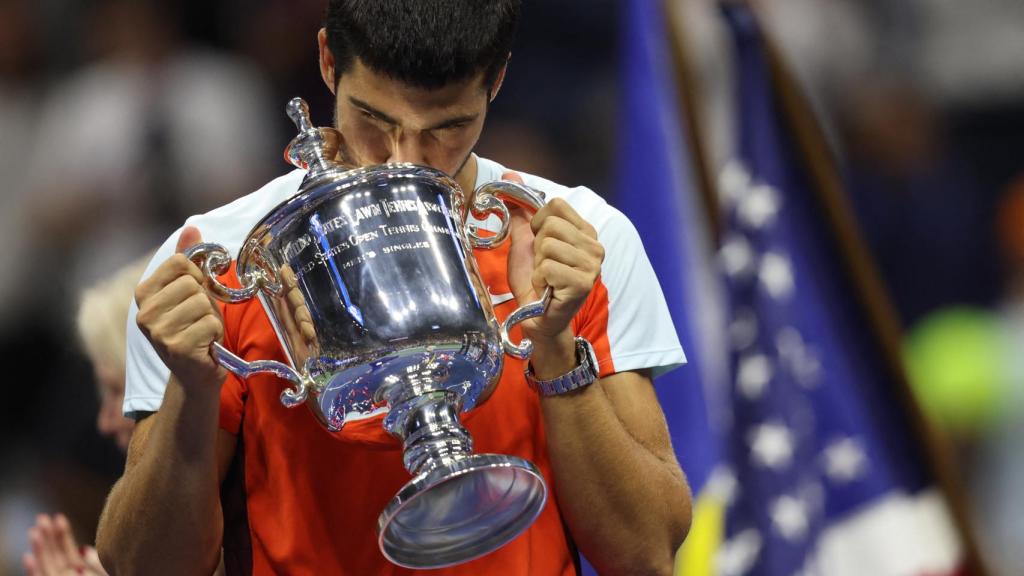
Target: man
412,82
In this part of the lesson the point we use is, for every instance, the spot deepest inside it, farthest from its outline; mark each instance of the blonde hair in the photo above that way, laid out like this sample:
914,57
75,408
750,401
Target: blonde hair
103,314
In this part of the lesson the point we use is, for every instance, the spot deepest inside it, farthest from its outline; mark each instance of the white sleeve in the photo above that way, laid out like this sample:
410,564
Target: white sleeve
145,373
640,329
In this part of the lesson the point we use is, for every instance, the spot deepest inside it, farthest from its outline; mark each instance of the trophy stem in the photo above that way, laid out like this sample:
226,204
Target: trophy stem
431,432
458,505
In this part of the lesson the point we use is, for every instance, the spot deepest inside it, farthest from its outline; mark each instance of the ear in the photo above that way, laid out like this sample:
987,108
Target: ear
326,60
499,79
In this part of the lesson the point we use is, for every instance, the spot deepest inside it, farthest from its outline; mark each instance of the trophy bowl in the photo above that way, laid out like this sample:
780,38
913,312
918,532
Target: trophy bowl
367,276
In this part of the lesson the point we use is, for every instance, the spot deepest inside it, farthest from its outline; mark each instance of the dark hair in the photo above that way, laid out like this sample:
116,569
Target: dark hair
424,43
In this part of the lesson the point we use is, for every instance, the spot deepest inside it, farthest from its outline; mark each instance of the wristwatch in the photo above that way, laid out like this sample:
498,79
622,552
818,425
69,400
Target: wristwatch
584,374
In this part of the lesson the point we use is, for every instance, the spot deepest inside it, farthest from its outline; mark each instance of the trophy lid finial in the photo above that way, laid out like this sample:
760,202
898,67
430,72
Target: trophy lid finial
298,111
310,149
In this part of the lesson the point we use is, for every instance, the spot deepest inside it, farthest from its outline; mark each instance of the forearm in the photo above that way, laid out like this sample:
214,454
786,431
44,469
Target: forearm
627,509
164,515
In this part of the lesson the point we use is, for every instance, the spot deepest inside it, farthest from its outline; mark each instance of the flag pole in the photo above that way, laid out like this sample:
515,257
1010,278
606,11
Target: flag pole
883,319
693,127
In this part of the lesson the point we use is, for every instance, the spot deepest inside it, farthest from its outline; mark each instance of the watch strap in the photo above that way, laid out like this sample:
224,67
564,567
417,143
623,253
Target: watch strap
584,374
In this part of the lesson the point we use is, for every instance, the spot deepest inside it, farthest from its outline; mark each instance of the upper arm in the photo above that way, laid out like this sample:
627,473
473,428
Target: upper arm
626,317
226,443
636,406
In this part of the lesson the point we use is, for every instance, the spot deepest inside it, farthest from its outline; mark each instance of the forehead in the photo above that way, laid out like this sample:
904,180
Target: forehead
398,99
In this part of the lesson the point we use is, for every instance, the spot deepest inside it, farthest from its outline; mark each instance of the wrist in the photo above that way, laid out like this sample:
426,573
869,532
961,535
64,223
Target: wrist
191,414
202,388
583,374
553,356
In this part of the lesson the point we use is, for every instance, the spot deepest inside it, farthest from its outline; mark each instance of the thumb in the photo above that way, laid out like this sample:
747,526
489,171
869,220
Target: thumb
517,214
190,236
520,254
511,176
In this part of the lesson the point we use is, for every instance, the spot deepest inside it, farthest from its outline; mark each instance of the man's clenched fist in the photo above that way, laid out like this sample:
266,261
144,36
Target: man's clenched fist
180,319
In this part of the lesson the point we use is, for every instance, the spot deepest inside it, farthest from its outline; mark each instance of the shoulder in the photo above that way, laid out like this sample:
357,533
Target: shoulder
238,217
605,218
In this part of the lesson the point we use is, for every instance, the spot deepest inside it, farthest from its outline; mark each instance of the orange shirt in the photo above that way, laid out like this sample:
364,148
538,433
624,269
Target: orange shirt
302,500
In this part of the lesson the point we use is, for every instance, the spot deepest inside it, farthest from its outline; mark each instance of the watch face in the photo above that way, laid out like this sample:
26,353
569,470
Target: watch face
591,356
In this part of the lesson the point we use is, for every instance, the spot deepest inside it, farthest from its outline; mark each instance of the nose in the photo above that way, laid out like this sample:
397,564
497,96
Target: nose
409,148
109,415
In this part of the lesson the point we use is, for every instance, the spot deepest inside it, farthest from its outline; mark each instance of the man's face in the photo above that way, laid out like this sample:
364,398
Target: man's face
385,120
109,421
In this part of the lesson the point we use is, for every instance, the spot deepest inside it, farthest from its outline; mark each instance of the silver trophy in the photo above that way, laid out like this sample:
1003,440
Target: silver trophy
368,278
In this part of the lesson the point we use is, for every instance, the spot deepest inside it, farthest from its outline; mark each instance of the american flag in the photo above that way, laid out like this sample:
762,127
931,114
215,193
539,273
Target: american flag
802,459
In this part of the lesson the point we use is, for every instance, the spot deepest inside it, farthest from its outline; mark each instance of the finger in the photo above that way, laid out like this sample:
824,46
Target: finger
41,551
560,208
567,283
169,271
558,227
295,299
189,237
92,561
515,210
48,537
188,312
170,312
569,289
519,226
173,294
308,331
520,257
288,277
66,539
568,254
204,331
31,565
302,315
215,305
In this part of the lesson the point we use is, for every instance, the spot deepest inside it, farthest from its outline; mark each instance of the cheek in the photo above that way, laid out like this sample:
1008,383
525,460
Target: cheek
452,149
110,421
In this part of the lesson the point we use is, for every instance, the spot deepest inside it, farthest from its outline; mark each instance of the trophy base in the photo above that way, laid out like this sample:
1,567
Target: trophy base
461,510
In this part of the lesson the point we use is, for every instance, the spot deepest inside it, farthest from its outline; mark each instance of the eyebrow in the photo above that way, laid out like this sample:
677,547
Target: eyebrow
465,118
360,104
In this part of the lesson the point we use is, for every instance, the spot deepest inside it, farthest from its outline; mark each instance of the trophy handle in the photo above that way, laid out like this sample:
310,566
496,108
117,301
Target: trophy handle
243,369
214,260
524,349
493,198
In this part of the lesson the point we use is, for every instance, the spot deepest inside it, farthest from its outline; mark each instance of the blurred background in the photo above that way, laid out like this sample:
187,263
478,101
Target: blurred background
119,118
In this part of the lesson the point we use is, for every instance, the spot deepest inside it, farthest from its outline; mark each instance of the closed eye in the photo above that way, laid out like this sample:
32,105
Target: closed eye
374,117
452,127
